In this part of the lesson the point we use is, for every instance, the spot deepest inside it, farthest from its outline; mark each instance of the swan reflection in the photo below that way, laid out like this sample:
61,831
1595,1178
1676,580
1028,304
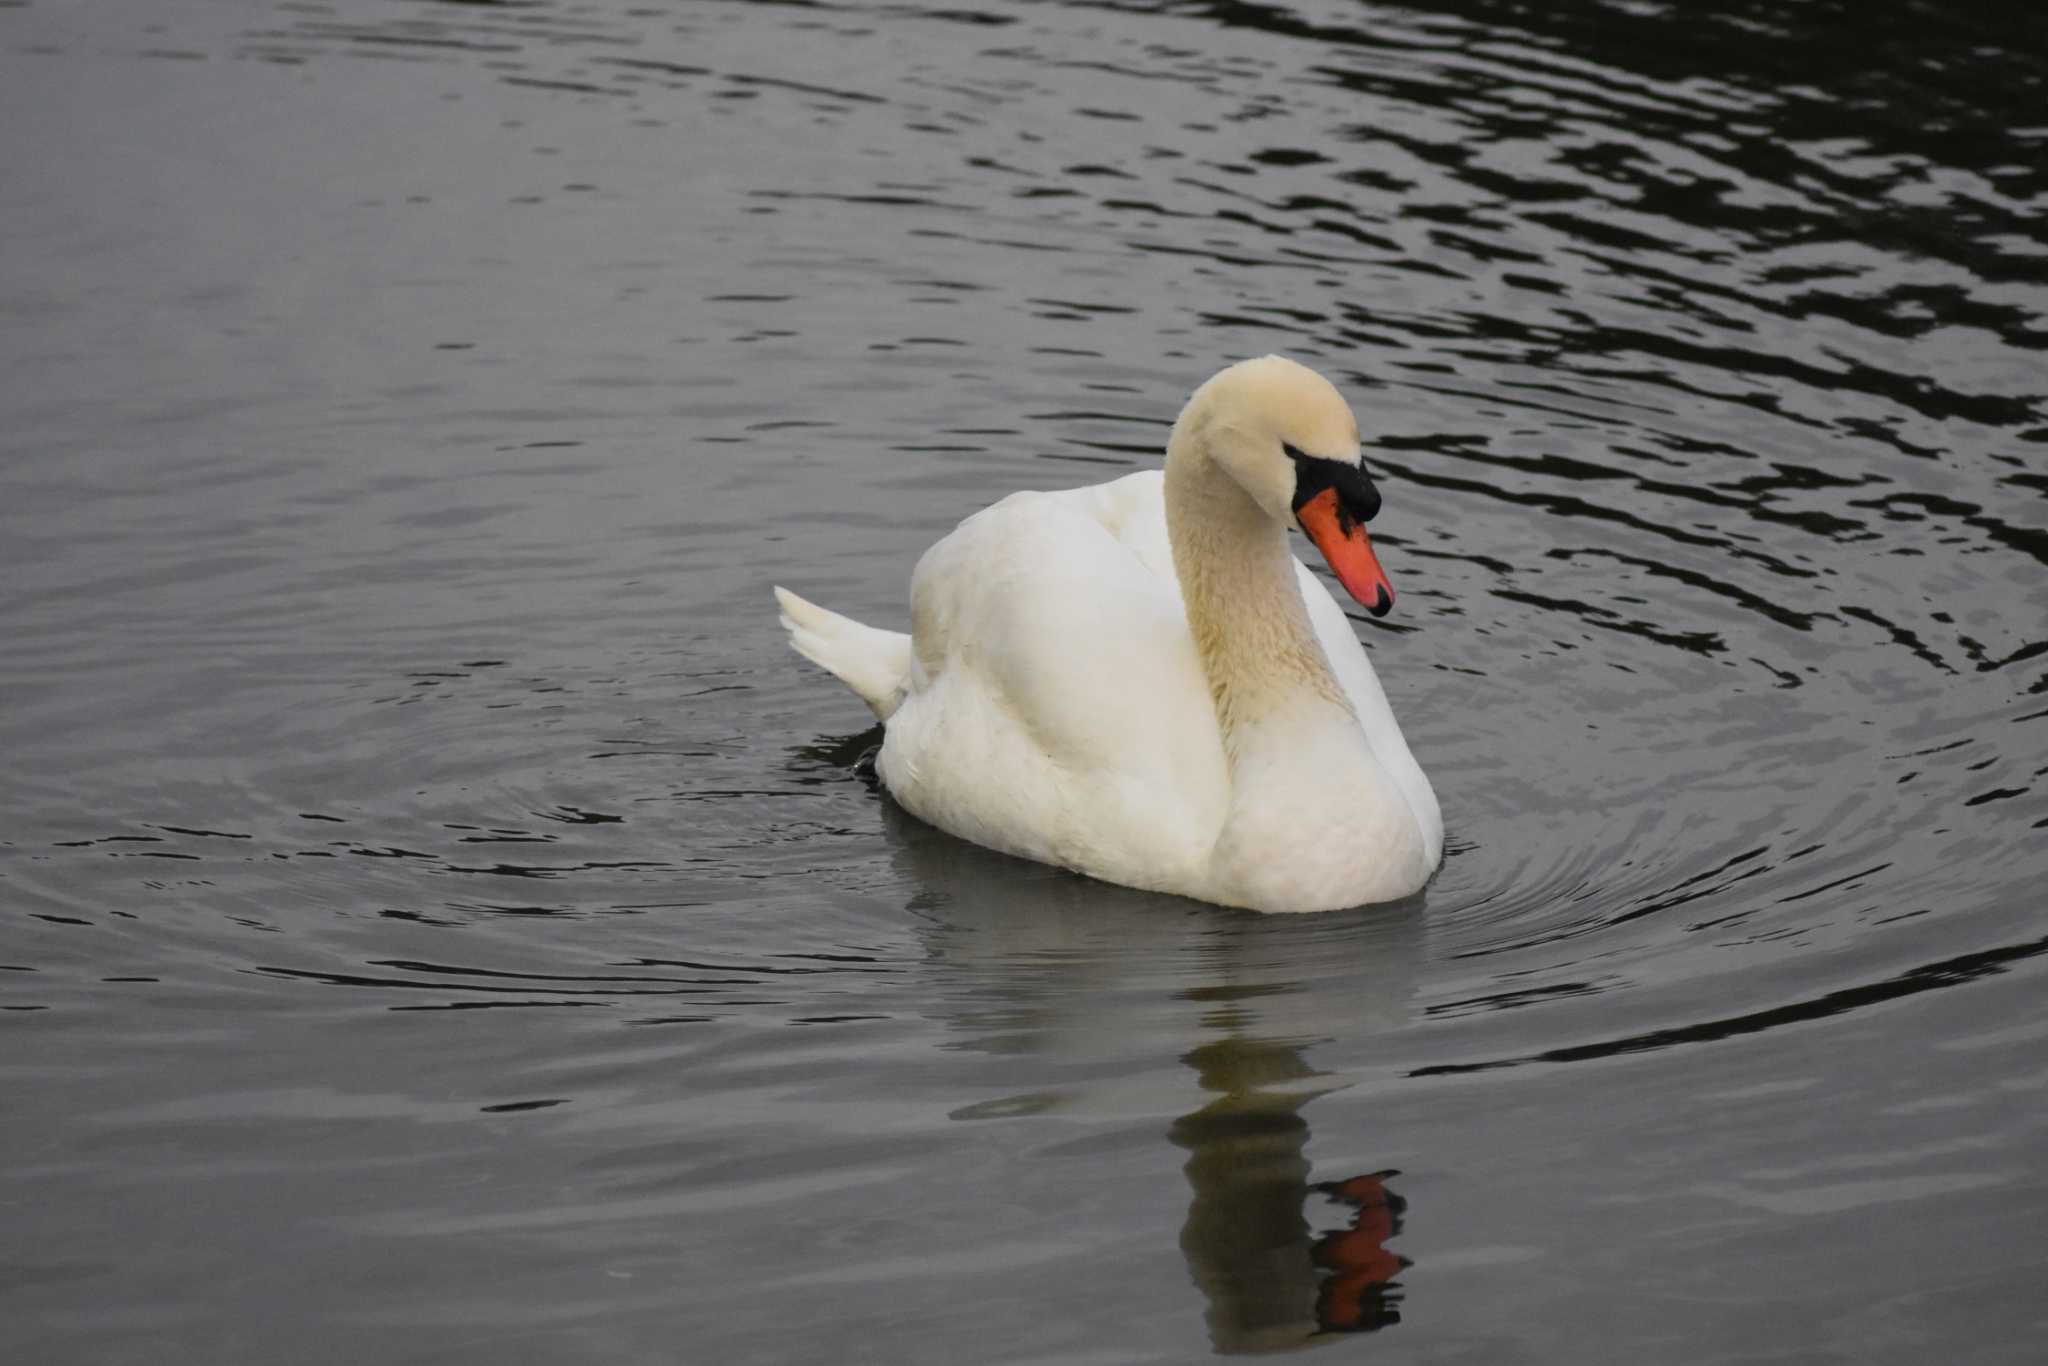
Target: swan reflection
1272,1281
1057,976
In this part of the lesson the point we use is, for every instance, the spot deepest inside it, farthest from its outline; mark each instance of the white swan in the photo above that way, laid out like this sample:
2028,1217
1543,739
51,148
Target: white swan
1139,681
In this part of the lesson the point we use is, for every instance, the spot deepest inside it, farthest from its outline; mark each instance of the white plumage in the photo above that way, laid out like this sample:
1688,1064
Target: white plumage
1138,681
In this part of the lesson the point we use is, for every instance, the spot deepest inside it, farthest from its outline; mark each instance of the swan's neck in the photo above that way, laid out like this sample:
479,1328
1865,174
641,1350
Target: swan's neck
1244,602
1314,821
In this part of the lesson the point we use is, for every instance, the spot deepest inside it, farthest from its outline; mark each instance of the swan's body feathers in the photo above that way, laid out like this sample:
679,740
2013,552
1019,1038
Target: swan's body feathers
1072,692
1058,710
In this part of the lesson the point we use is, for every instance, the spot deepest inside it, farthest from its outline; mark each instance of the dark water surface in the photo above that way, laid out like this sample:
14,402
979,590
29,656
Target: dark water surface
442,923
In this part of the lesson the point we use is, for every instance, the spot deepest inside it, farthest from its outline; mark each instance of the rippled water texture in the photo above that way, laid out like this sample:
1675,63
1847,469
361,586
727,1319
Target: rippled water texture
442,923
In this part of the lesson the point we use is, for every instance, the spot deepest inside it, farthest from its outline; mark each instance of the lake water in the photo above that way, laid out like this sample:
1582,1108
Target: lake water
443,923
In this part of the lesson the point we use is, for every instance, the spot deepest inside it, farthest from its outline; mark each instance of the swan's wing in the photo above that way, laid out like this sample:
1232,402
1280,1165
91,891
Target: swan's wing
1057,707
1057,602
1133,511
1065,601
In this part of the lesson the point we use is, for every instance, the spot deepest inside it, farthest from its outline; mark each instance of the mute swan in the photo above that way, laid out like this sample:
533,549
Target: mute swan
1138,680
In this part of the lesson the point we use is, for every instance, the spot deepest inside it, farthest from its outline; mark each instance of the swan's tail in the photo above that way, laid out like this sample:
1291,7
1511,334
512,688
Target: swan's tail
875,664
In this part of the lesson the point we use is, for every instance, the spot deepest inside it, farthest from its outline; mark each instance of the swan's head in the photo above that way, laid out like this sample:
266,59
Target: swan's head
1287,437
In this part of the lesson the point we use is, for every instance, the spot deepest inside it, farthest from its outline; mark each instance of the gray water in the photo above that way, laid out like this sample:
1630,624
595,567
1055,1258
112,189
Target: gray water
442,923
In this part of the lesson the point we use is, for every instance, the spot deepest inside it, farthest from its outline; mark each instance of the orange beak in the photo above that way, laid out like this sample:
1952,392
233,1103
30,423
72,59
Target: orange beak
1344,544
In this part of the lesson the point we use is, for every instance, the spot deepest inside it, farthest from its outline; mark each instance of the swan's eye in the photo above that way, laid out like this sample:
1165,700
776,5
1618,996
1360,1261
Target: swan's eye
1294,452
